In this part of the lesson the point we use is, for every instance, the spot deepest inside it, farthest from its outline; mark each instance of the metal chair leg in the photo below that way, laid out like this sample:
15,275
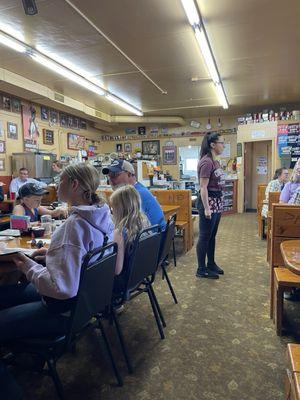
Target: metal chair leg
157,306
54,375
122,342
169,284
115,368
174,253
158,322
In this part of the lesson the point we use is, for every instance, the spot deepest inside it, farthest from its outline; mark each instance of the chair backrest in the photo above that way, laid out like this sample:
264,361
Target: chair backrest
144,257
95,287
273,198
166,239
261,190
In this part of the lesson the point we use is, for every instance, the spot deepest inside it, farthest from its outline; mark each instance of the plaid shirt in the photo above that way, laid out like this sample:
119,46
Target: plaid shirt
273,186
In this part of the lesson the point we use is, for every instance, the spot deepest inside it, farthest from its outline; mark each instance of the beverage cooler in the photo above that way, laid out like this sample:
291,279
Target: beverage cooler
39,165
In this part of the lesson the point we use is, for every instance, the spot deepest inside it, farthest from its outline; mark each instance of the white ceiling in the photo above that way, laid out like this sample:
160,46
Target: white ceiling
255,44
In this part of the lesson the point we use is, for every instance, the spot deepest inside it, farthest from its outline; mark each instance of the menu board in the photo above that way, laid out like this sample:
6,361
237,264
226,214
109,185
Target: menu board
288,141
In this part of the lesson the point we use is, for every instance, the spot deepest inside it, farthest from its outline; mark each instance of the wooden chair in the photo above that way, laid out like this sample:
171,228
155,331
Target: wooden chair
292,378
285,226
261,189
49,198
284,281
273,198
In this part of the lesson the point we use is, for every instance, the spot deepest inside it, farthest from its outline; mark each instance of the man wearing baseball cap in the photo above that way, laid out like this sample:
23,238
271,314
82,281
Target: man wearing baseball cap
121,172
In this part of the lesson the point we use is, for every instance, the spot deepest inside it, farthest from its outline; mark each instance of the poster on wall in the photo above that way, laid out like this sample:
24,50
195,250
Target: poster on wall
261,165
75,142
30,127
169,155
288,142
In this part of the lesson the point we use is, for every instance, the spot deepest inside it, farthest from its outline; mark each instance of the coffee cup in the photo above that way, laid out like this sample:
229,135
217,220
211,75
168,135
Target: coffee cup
37,231
12,195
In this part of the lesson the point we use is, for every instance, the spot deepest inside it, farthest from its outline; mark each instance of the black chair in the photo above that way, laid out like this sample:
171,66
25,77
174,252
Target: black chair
166,240
93,302
142,269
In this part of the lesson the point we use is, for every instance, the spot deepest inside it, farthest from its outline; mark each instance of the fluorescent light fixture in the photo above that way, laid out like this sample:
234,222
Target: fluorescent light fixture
221,95
66,73
12,43
123,104
207,55
191,11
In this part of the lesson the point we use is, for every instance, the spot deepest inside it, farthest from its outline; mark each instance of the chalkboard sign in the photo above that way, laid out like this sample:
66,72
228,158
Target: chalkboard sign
48,136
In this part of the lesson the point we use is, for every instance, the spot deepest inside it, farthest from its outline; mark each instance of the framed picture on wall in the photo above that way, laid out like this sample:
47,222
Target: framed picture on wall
2,131
119,147
6,102
169,155
16,106
150,147
127,148
12,131
53,117
44,113
63,119
2,164
76,142
2,146
48,136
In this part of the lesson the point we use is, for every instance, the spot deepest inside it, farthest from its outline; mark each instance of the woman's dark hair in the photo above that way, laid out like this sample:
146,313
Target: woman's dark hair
210,137
278,172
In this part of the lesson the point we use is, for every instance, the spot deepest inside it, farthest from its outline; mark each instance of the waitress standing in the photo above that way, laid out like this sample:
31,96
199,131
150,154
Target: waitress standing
210,204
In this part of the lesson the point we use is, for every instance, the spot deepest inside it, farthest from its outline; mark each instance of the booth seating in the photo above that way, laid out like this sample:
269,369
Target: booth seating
184,219
292,378
285,225
273,198
261,189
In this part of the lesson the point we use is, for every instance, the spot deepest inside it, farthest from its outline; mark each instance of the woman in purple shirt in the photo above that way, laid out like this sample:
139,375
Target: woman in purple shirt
290,188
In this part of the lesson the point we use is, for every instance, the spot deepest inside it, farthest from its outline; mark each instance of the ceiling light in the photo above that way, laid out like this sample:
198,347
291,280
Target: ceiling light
123,104
66,73
221,95
207,54
12,43
191,11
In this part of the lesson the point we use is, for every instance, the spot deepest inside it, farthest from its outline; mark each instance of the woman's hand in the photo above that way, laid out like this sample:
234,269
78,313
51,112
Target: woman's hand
2,184
61,211
39,255
19,260
207,213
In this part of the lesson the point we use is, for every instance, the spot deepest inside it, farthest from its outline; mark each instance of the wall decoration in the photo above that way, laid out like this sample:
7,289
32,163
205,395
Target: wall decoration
142,130
12,131
130,131
6,102
150,147
16,105
44,113
70,121
48,136
2,131
2,164
2,147
53,117
127,148
75,123
119,147
63,120
75,142
169,155
30,126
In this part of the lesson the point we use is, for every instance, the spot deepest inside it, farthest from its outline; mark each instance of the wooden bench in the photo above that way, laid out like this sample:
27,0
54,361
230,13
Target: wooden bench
184,221
273,198
285,225
292,378
284,281
261,189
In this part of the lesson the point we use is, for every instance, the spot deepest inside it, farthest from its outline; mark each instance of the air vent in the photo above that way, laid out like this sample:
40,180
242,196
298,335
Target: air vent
59,97
98,114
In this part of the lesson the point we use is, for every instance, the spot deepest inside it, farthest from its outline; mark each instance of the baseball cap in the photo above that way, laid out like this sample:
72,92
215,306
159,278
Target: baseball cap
31,189
119,166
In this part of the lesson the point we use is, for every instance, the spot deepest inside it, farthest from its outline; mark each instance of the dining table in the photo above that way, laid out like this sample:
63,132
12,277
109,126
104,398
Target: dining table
290,251
169,210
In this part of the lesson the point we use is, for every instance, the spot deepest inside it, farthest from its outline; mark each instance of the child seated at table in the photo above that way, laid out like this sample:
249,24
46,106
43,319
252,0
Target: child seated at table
38,308
129,222
30,197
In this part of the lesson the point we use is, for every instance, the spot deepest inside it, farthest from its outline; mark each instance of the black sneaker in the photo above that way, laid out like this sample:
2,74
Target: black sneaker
215,268
206,273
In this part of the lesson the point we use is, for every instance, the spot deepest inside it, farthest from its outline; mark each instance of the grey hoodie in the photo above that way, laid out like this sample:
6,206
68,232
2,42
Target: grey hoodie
83,231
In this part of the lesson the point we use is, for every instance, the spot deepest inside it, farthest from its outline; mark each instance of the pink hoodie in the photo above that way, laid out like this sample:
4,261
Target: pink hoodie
83,231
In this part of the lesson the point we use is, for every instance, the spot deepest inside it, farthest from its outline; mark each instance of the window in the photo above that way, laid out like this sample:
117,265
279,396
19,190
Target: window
189,156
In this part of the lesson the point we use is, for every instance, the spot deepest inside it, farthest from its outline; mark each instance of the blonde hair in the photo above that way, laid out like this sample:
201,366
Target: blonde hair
88,179
126,205
295,177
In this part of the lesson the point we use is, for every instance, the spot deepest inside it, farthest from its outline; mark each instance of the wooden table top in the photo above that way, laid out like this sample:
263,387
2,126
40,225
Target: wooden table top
290,250
169,210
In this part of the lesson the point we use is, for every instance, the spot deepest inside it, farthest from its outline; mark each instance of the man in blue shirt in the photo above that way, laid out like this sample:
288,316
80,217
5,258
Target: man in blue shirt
23,178
121,172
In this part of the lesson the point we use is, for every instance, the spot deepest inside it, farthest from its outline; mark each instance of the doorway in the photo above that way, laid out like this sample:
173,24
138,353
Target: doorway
257,170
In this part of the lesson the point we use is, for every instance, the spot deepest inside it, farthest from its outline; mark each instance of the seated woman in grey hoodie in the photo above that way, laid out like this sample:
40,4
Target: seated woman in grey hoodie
39,307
